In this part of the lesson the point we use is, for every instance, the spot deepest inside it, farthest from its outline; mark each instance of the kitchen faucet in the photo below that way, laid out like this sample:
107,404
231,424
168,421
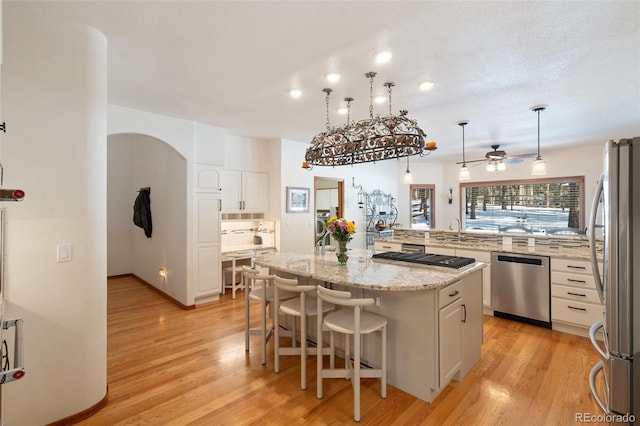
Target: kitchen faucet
455,219
320,243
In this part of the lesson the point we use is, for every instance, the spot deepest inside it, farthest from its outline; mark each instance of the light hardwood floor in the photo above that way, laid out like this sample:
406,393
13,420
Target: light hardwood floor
168,366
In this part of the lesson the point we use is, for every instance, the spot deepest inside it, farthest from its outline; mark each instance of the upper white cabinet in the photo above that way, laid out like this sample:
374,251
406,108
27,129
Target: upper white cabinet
326,198
208,178
244,191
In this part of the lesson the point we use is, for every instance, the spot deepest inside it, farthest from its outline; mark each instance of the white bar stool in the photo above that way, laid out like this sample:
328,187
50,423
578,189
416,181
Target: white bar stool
236,273
355,322
302,306
258,288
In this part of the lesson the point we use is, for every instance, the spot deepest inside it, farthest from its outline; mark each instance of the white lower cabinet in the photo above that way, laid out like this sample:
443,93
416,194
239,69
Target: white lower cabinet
575,303
480,256
386,246
459,328
450,340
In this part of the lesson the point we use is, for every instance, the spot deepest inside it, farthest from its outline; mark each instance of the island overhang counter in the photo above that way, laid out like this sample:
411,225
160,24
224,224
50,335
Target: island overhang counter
434,331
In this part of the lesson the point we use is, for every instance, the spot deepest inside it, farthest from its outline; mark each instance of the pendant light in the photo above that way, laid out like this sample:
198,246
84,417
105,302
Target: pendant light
408,177
464,170
538,168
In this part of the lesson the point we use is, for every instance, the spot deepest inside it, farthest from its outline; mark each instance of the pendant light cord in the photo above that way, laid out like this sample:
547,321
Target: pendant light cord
538,134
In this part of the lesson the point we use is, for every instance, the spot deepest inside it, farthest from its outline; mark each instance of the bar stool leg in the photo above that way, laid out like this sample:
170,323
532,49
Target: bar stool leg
264,324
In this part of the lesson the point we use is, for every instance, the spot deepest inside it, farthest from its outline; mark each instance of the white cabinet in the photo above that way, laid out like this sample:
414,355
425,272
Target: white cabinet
244,191
386,246
207,178
207,244
481,256
459,328
575,304
326,198
450,340
472,329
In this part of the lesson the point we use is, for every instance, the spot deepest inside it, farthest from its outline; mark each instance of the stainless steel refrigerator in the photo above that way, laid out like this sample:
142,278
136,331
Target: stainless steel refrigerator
618,196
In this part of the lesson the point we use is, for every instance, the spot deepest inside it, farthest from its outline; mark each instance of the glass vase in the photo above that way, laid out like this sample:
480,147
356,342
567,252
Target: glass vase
342,253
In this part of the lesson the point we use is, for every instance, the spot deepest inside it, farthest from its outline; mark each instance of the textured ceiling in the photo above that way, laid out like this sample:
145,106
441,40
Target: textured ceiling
231,64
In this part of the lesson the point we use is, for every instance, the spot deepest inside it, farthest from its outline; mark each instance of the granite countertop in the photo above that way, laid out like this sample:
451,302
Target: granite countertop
574,253
235,248
362,271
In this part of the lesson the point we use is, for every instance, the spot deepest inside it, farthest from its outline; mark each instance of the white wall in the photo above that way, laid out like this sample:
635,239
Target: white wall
148,162
298,229
576,161
54,102
424,171
120,259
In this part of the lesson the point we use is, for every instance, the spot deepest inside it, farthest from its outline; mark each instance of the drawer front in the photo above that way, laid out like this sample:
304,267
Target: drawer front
480,256
387,246
577,294
449,294
584,314
576,280
571,266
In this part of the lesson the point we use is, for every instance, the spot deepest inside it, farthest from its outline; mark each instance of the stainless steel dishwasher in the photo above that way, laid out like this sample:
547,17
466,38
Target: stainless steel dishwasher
520,287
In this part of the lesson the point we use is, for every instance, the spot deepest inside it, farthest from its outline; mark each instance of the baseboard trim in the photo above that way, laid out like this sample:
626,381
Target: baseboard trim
157,290
84,414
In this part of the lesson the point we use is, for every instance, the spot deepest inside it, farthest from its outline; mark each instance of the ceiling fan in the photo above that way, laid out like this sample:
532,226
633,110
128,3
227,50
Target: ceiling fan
497,158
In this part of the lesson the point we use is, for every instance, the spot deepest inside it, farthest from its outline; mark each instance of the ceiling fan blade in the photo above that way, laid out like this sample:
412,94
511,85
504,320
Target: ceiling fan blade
529,155
513,160
472,161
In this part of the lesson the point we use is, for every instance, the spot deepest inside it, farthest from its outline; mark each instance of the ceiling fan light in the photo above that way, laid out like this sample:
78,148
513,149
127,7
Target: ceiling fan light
464,173
501,166
491,167
539,168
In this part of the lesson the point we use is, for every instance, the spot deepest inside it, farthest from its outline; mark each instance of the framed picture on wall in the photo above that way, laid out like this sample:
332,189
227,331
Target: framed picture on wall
297,200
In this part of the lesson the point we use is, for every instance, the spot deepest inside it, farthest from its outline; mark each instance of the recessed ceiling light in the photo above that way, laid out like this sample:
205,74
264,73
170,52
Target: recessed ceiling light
295,93
383,57
426,85
333,77
380,99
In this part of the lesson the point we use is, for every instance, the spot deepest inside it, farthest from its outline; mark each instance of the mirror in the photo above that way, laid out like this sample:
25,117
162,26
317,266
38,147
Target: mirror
329,194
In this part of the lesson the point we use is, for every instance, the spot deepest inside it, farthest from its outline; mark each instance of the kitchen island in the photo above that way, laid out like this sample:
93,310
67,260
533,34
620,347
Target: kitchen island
434,314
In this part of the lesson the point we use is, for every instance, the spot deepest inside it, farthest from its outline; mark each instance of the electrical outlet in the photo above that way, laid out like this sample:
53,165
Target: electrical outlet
64,253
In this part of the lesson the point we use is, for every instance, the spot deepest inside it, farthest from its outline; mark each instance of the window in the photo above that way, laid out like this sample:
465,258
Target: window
552,206
422,206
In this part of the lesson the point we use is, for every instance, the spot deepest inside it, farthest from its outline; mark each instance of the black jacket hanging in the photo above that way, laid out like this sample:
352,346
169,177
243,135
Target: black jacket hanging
142,211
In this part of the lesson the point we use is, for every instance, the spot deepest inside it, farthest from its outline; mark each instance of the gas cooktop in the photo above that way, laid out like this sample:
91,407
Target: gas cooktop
455,262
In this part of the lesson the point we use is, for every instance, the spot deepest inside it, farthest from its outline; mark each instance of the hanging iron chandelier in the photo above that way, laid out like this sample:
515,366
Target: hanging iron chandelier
373,139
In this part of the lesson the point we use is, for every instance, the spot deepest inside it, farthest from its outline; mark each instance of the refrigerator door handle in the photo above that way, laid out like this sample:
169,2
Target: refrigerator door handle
592,336
592,238
592,383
